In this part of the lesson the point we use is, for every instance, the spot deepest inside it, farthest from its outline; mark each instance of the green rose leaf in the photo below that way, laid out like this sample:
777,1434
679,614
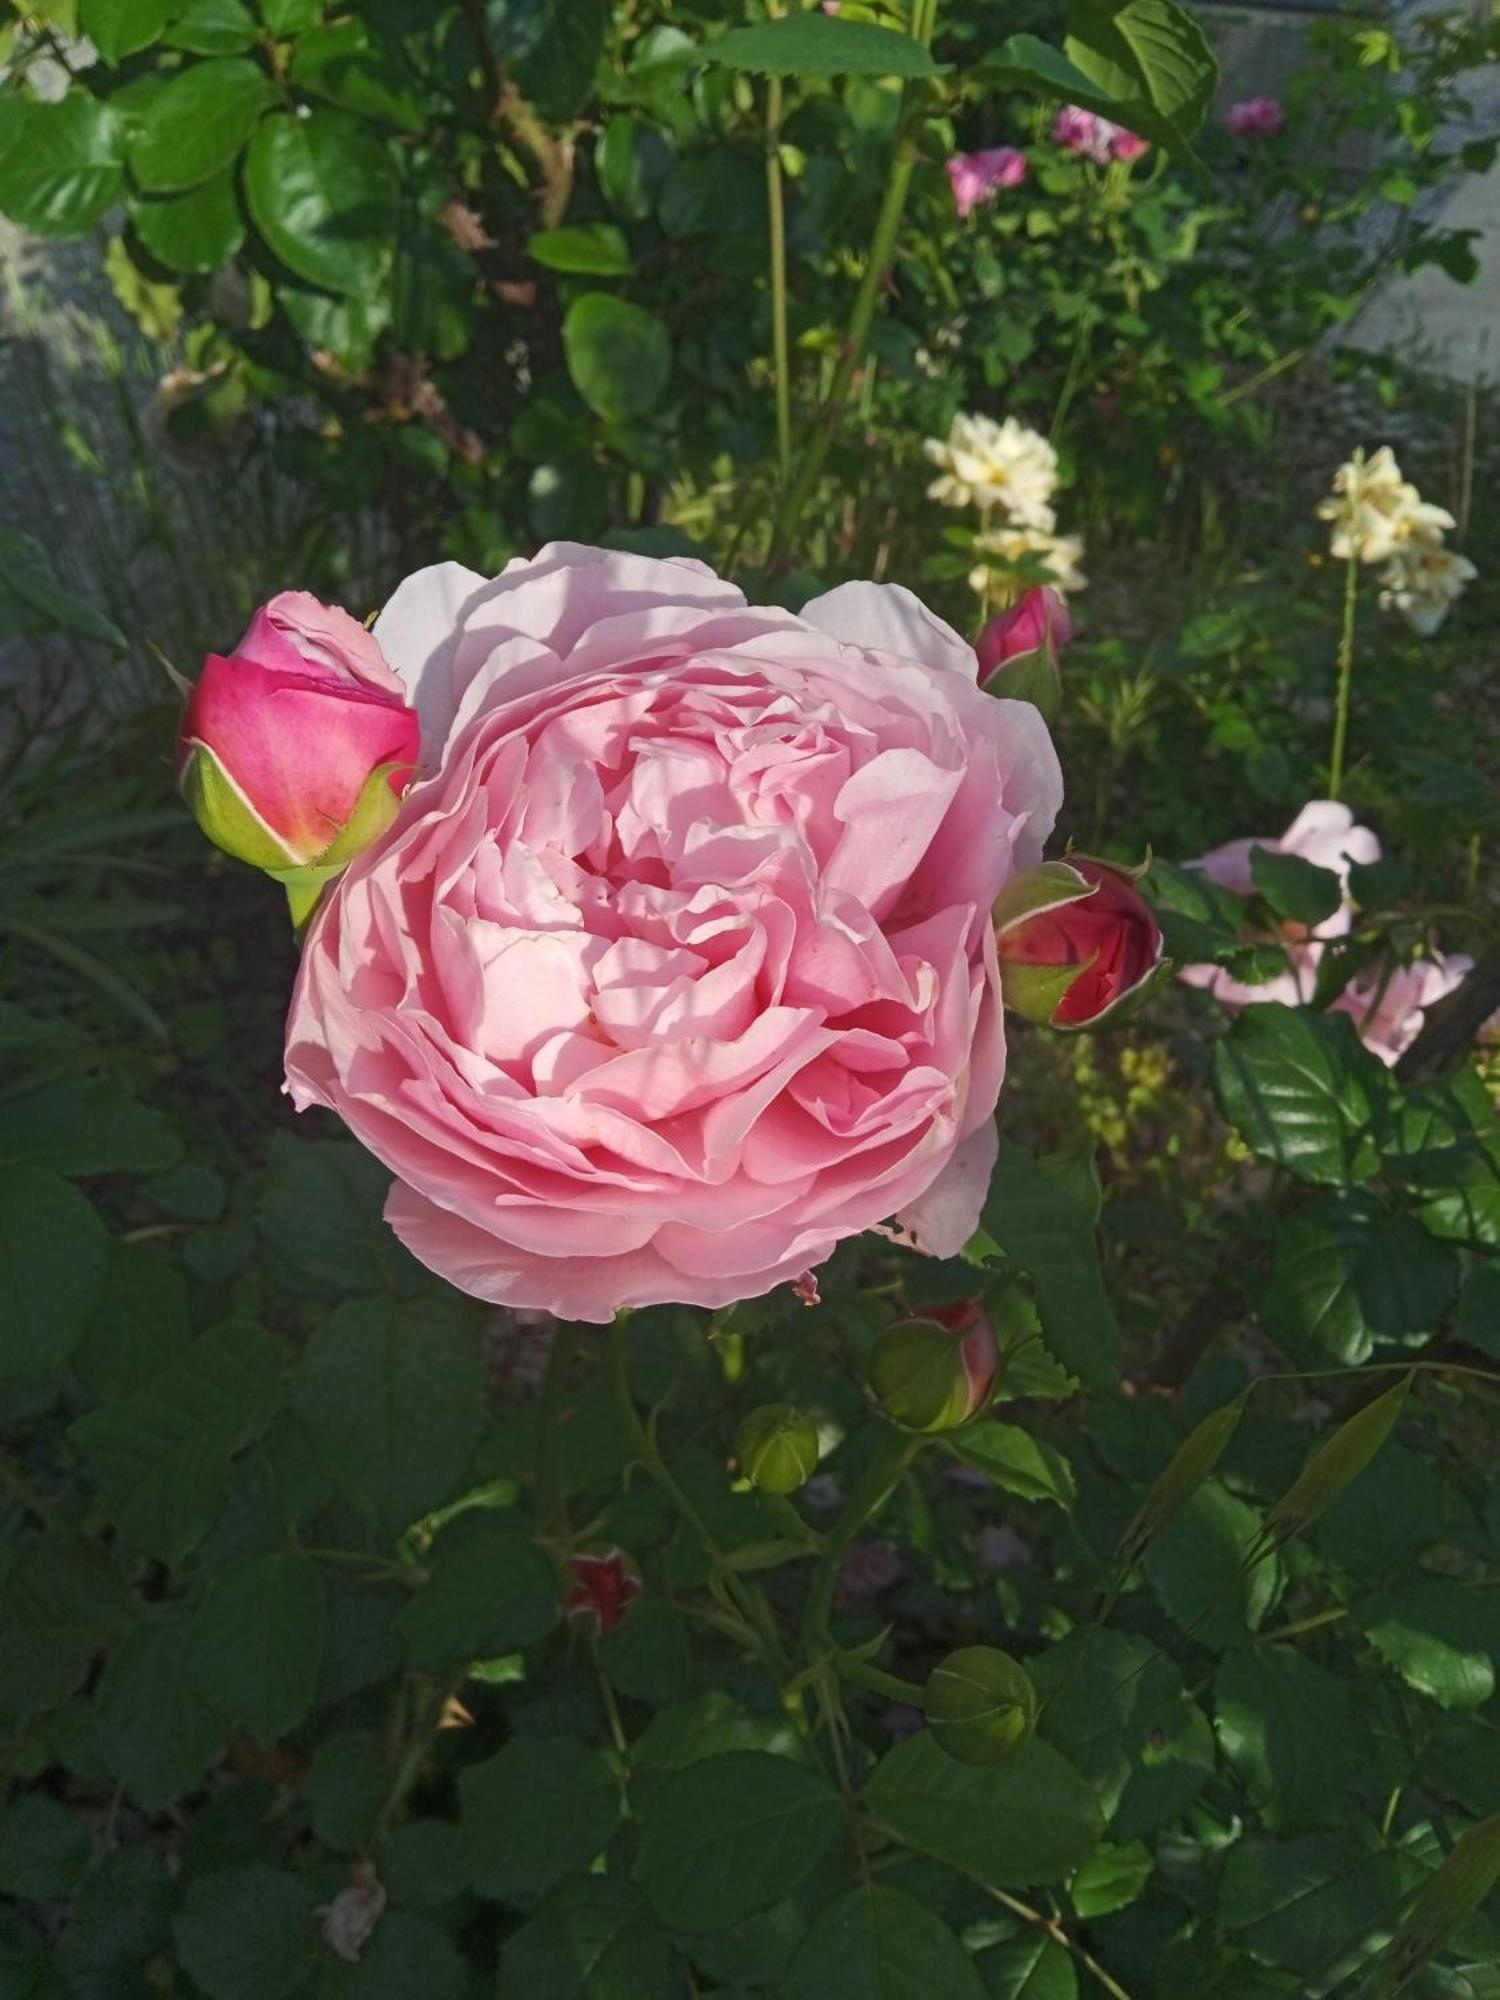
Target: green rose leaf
1290,1730
1301,1903
120,28
619,355
538,1811
155,1732
64,166
821,45
214,28
489,1593
1194,1566
1030,1820
1347,1274
248,1934
394,1397
339,62
322,192
1017,1462
1302,1091
730,1835
193,232
1442,1638
161,1454
1041,1213
44,1849
590,249
1149,62
1295,888
258,1641
61,1601
879,1940
54,1256
594,1939
1034,1967
194,127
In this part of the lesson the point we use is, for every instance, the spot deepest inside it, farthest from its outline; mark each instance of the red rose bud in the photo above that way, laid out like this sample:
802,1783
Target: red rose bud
1076,940
1038,623
604,1588
936,1372
1018,650
295,750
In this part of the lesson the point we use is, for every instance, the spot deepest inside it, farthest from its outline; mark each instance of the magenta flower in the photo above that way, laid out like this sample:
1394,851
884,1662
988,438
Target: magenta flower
979,177
281,739
1036,623
1256,118
1095,138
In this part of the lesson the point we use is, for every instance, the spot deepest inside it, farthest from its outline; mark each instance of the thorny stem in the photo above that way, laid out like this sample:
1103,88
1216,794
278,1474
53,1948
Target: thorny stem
1346,676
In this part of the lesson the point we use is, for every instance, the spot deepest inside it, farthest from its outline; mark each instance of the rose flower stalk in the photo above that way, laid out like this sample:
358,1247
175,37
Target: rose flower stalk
676,967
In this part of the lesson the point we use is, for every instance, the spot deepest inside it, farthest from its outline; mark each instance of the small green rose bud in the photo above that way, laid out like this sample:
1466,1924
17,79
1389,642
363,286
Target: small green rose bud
936,1372
980,1705
777,1447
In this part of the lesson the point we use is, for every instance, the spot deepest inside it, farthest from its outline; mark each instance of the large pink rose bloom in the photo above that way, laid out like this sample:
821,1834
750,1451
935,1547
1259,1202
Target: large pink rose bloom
677,970
1323,833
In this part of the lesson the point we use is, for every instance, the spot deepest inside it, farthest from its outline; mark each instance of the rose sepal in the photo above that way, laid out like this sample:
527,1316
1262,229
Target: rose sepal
1049,886
1032,677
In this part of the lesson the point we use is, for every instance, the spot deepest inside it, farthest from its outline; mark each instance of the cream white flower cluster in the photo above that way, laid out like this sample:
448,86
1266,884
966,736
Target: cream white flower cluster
1377,516
1007,470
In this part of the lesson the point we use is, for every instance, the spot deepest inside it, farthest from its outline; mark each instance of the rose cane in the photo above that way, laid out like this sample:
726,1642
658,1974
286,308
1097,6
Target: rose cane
294,750
1076,940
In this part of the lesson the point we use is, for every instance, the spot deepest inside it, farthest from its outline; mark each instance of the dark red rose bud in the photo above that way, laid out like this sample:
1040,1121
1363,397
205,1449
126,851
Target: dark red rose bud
1039,622
604,1588
1076,940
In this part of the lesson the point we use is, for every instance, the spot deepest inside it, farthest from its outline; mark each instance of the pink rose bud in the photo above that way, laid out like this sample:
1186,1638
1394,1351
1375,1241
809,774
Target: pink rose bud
604,1588
935,1372
295,750
1076,940
1039,623
1125,145
1256,118
979,177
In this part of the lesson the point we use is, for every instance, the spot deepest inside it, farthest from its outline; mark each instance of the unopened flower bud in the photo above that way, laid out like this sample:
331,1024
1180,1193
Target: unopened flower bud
981,1705
294,750
1037,622
604,1588
1076,940
777,1447
936,1372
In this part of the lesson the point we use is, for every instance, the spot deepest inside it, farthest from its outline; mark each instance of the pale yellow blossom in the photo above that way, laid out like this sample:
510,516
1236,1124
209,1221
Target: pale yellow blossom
988,465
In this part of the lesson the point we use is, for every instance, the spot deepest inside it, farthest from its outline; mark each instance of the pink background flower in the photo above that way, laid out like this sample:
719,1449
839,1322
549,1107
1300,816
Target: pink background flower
979,177
1323,833
1095,138
678,970
1255,118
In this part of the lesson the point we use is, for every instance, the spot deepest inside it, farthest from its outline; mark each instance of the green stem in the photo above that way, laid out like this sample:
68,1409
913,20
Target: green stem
882,1476
424,1728
882,247
747,1600
890,1685
779,345
552,1510
1346,676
